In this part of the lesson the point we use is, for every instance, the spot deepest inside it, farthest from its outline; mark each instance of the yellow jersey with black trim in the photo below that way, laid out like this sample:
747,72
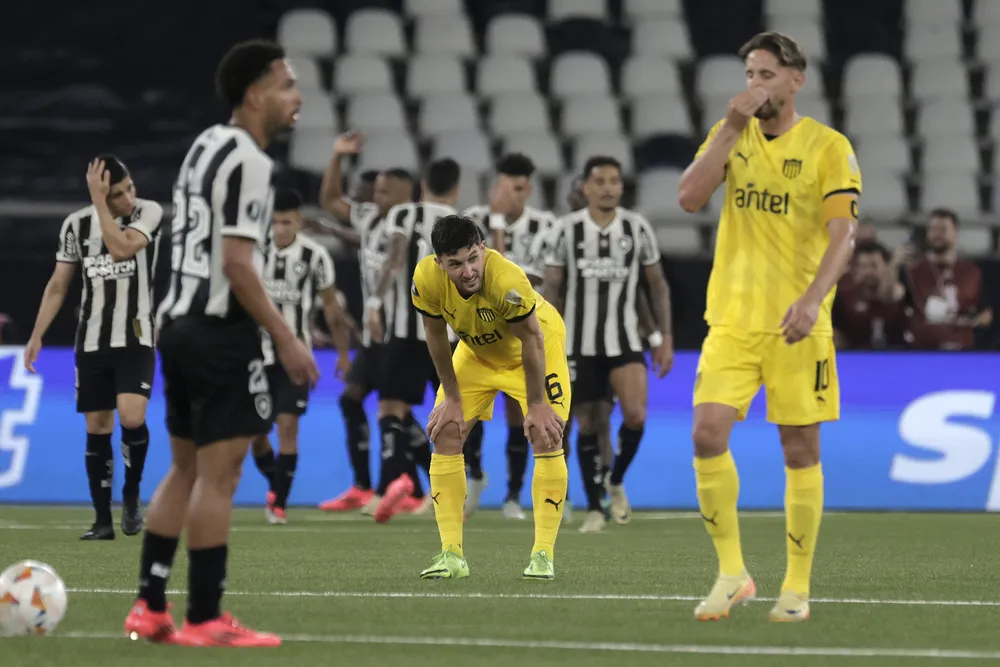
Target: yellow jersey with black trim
482,321
780,194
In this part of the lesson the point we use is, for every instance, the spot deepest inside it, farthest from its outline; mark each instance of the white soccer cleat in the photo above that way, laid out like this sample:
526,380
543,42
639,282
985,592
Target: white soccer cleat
621,511
512,510
473,495
791,607
725,594
594,522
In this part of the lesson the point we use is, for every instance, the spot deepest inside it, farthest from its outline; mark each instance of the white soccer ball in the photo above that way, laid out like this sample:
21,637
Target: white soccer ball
32,599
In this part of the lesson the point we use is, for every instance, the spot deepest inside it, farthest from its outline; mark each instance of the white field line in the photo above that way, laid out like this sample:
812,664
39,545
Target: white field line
544,596
613,647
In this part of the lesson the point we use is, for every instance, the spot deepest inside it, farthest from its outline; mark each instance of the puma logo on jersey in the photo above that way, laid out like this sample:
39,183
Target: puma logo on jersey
745,158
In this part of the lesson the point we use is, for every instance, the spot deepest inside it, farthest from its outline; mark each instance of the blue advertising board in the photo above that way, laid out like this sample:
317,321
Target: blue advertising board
917,431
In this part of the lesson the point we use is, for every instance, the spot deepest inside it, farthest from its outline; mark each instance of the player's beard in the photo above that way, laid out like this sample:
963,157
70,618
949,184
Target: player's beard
768,110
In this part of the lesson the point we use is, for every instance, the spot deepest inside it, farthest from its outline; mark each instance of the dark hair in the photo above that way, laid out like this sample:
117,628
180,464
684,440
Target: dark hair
398,172
368,176
945,213
781,46
117,171
600,161
442,176
287,199
516,164
242,66
453,233
872,247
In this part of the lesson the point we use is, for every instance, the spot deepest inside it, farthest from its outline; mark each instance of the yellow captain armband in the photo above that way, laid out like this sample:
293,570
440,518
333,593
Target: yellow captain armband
840,204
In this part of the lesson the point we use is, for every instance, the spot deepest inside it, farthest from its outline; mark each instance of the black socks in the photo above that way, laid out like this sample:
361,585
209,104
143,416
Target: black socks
135,445
517,462
100,473
628,445
358,435
157,559
206,582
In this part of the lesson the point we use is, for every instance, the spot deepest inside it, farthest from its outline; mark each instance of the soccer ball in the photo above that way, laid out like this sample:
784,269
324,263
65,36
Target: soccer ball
32,599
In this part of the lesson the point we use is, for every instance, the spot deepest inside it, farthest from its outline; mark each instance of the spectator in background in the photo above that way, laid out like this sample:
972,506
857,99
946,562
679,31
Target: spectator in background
868,311
946,301
9,334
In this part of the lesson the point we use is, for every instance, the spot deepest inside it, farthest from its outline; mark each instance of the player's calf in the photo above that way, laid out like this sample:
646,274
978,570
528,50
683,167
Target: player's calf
135,446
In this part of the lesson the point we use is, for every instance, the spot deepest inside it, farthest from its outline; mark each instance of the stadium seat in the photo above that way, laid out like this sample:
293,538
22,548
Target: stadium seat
387,149
678,239
934,41
720,75
516,34
426,7
946,117
986,14
988,46
807,32
505,74
873,116
640,10
960,193
469,148
576,73
940,78
650,76
306,70
361,74
541,147
375,31
656,194
872,74
614,145
800,8
310,150
471,191
516,113
884,194
975,241
884,153
893,236
814,106
660,114
991,79
588,113
995,125
950,156
560,10
932,12
375,111
714,109
308,32
444,33
448,112
662,37
434,74
317,114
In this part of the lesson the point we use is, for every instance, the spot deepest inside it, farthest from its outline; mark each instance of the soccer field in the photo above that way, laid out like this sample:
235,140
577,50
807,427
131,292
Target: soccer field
890,589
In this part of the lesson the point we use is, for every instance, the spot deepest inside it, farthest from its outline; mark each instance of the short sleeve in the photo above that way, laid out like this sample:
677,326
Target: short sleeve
423,289
539,248
399,220
248,190
146,219
512,295
839,170
324,275
555,244
69,243
649,251
708,139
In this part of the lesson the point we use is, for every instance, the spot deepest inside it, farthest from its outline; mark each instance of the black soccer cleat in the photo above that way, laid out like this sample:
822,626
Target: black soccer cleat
99,531
132,522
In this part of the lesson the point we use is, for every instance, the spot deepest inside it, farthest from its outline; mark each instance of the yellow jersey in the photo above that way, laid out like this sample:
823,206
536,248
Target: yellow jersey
772,233
483,321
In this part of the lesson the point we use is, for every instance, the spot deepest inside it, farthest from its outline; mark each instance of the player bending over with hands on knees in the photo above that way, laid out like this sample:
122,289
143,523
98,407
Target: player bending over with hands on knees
511,341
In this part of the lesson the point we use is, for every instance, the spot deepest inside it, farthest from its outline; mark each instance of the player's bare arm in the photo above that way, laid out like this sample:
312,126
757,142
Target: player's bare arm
663,354
390,270
340,329
890,289
52,301
552,287
541,417
238,267
348,235
121,243
450,410
331,197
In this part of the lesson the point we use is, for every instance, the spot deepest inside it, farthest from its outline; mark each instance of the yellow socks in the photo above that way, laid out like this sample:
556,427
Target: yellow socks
548,494
803,512
718,492
448,489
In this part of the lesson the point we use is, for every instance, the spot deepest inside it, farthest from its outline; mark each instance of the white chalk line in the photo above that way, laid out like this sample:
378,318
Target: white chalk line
614,647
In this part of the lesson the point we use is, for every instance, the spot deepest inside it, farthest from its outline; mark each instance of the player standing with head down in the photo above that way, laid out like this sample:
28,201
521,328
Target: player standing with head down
784,238
511,341
215,383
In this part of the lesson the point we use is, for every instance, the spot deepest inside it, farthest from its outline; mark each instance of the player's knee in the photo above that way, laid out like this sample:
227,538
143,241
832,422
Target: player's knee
393,408
132,418
449,441
633,416
100,422
587,420
353,392
709,438
800,445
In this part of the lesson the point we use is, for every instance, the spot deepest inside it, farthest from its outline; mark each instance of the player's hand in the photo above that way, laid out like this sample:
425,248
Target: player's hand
743,106
343,366
98,181
31,351
502,196
663,357
374,319
548,425
447,412
298,362
800,319
349,143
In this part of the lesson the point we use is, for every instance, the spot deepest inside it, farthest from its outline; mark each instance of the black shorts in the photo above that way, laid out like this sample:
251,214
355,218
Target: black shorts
289,398
591,376
407,371
214,380
366,371
101,376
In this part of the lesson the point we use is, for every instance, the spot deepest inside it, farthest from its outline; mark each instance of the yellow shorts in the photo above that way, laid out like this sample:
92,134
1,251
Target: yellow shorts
800,380
479,381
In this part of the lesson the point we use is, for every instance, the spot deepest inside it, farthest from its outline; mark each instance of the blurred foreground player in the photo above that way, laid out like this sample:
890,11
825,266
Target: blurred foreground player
298,269
785,237
115,360
511,341
217,393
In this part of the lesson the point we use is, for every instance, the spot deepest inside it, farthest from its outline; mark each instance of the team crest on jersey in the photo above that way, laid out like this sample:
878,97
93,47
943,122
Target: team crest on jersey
253,210
136,214
486,315
792,168
299,269
852,164
625,243
513,297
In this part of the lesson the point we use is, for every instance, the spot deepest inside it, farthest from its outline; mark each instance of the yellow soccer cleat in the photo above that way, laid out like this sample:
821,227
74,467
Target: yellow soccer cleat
727,592
447,565
540,567
791,607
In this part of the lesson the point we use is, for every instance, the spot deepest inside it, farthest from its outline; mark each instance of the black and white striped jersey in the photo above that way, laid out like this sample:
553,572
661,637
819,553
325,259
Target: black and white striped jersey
365,218
603,267
294,276
223,190
116,303
414,221
520,234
